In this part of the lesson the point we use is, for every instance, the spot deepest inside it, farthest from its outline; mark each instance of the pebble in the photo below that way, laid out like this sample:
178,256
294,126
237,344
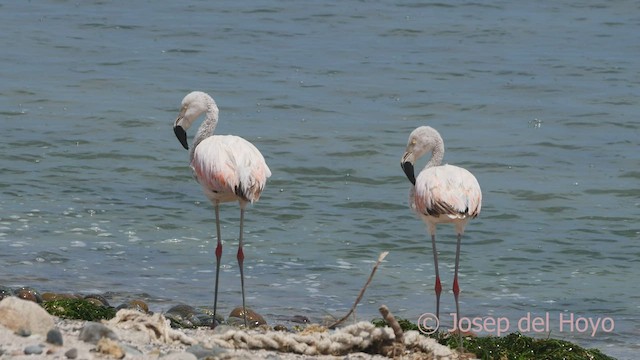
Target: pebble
54,336
23,332
28,293
138,305
4,292
72,353
92,332
301,319
253,318
97,299
33,350
217,321
280,327
185,316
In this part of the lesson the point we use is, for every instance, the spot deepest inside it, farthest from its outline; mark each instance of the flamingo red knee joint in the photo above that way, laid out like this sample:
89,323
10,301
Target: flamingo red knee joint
440,194
229,168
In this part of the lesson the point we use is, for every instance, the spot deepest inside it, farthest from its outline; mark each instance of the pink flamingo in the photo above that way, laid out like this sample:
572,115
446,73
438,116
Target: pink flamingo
441,194
228,167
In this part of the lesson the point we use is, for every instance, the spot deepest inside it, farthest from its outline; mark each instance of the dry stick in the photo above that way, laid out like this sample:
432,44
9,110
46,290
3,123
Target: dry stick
393,323
353,308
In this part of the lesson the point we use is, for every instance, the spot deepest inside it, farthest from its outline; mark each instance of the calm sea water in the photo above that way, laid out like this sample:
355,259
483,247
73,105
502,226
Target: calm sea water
539,100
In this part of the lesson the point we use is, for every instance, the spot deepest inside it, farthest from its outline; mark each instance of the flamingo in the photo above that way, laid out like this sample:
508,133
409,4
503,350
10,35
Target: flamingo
440,194
229,168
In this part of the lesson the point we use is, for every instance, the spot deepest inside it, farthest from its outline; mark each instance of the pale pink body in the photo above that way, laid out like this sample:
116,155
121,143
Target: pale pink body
440,194
229,168
446,194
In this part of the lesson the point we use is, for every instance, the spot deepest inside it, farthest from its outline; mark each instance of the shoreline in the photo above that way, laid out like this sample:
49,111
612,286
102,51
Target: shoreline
135,333
27,330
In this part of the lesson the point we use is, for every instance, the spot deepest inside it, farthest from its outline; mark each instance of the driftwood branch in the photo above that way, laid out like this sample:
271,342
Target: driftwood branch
353,308
392,322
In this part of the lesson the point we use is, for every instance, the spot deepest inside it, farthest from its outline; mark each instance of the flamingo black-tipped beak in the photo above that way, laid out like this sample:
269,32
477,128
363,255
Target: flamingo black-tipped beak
407,167
181,135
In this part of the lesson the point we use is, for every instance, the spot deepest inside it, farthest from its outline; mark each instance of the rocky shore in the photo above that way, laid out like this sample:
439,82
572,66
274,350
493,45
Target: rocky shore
74,326
28,331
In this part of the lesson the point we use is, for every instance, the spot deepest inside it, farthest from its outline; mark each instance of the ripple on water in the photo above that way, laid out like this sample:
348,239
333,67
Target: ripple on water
557,171
51,257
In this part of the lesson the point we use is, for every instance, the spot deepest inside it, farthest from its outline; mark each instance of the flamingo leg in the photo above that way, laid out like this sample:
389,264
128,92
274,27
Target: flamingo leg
456,287
438,286
240,263
218,256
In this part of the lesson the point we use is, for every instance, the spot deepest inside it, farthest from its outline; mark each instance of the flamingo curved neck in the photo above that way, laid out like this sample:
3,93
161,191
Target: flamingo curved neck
437,155
207,127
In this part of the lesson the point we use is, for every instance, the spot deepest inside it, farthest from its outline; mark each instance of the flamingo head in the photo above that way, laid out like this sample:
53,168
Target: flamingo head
422,140
194,104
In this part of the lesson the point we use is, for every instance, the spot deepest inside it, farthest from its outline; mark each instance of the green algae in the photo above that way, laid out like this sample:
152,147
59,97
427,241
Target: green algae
78,309
514,346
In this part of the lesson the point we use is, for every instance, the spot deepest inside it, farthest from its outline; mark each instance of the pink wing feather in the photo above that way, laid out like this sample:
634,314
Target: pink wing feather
447,190
230,167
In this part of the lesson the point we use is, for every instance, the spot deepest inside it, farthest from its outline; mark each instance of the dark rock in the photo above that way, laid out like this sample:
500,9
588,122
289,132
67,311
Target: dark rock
280,327
92,332
182,316
237,322
23,332
300,319
185,316
97,299
72,353
208,320
54,336
4,292
253,318
27,293
138,305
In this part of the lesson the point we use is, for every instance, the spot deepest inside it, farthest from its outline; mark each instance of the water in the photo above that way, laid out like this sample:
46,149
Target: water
539,100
